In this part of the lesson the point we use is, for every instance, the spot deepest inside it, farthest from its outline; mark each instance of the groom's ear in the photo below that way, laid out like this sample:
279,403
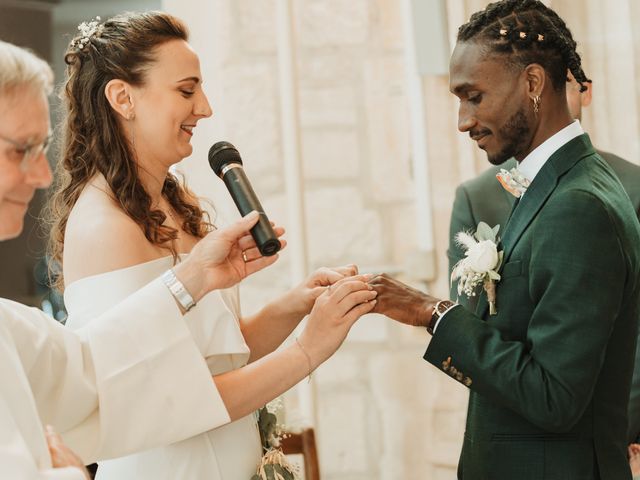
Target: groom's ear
536,79
119,95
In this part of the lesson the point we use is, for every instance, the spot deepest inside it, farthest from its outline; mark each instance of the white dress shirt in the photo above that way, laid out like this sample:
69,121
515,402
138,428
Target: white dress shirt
533,163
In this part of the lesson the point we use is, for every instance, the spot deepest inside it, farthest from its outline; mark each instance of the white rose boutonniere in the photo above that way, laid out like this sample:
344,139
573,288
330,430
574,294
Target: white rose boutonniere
481,263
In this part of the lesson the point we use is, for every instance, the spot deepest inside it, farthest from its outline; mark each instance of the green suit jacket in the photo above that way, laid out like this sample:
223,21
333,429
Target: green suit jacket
550,373
484,199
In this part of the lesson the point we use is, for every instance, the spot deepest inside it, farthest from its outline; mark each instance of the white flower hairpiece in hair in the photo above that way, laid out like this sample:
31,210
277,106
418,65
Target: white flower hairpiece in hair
481,263
87,30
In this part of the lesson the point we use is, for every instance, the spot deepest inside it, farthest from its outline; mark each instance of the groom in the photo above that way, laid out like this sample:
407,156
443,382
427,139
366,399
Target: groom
549,372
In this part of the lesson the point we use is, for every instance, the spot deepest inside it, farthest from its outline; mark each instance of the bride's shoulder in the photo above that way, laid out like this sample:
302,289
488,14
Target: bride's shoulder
100,237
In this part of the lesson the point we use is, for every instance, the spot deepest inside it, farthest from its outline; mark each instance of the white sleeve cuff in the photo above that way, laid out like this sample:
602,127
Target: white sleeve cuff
67,473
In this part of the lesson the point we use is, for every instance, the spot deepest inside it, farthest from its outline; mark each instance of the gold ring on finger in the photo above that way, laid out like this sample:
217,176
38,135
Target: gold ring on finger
244,256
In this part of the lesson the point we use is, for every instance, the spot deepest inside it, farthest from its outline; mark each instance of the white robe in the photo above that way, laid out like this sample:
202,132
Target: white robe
108,401
229,452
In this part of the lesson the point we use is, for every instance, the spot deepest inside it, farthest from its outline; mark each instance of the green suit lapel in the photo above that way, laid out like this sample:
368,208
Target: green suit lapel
528,208
536,195
545,182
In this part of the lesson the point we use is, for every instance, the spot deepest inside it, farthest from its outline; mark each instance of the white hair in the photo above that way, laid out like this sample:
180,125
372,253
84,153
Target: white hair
20,67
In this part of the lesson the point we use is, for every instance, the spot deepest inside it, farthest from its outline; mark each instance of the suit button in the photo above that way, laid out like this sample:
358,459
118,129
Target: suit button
446,364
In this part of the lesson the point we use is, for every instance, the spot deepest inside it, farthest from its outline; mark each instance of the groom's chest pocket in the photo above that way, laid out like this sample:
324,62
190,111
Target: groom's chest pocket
513,302
511,269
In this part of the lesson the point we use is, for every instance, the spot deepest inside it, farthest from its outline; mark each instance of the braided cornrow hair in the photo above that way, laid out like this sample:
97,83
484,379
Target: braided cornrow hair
94,142
530,32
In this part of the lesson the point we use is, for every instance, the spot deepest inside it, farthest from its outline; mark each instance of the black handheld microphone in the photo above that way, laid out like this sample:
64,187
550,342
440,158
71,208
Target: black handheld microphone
225,161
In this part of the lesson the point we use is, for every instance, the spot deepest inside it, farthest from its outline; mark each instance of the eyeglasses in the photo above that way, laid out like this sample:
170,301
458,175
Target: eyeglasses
26,153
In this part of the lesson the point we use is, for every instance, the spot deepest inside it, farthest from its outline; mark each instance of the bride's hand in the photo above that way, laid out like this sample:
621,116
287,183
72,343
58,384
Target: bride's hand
224,257
302,298
333,314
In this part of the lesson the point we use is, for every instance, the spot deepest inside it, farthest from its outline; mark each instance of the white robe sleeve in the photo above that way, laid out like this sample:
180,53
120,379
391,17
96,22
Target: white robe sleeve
132,379
69,473
23,449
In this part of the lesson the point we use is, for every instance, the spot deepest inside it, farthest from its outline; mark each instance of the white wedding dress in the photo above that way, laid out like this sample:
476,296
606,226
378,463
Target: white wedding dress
229,452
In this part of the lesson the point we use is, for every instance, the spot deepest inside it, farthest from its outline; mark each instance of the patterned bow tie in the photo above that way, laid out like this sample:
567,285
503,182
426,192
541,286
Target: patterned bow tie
513,181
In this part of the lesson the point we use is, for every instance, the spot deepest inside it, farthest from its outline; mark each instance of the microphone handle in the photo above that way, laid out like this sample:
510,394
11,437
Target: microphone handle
246,200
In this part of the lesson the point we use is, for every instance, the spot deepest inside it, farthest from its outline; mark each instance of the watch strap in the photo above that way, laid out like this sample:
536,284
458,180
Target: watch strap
177,289
439,309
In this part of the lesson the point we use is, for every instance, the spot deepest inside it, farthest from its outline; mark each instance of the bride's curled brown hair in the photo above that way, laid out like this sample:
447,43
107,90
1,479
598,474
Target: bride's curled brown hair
122,47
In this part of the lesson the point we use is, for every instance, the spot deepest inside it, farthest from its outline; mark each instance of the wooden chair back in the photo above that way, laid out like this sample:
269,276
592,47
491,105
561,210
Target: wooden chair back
303,443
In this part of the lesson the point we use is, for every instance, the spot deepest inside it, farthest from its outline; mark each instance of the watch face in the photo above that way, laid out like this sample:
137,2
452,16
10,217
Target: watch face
443,306
440,308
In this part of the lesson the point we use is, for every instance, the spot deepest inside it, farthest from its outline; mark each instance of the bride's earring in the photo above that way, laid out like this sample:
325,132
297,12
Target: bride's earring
132,134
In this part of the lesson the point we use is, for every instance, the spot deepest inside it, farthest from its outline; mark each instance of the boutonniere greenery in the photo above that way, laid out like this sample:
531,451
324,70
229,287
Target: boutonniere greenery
274,464
481,263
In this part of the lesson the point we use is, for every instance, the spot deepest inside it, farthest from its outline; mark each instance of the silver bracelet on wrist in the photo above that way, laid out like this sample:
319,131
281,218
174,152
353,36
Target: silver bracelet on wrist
178,291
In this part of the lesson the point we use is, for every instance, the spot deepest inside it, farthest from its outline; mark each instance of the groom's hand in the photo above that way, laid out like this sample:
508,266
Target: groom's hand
402,303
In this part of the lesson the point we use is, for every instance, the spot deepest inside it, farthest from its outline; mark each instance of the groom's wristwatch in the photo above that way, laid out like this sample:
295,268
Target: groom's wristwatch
439,309
178,291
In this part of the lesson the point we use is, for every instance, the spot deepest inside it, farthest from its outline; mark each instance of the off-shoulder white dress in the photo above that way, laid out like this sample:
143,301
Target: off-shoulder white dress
229,452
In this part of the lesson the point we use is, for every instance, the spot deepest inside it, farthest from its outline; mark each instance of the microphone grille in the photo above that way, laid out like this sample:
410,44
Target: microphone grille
221,154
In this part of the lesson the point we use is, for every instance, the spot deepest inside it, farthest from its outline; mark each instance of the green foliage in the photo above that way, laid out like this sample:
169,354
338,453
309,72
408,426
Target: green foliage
267,425
485,232
274,472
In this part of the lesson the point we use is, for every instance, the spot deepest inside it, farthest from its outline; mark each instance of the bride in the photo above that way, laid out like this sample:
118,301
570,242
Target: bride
134,96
